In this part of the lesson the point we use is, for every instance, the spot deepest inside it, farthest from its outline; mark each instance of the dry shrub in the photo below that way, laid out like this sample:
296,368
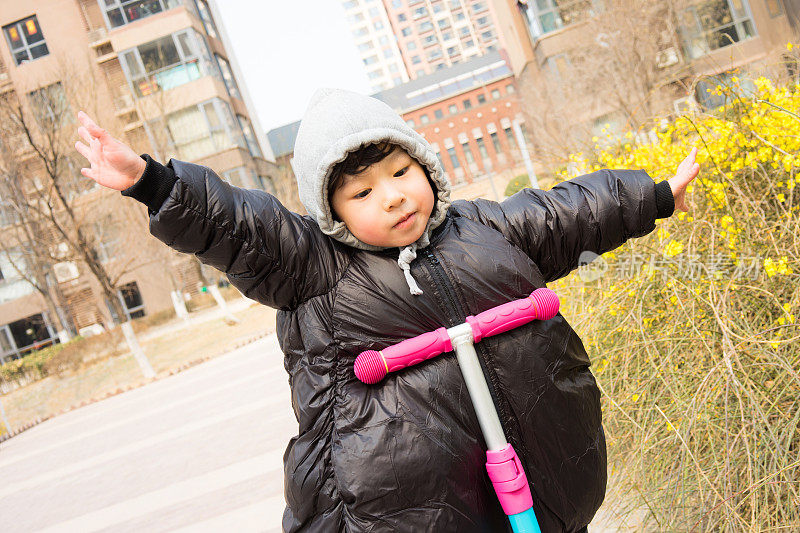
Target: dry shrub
693,330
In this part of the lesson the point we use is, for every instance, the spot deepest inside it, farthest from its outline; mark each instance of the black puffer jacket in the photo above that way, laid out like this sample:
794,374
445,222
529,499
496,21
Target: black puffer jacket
407,454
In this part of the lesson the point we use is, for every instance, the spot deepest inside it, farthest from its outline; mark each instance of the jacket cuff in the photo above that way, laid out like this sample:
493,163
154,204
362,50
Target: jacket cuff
154,186
665,201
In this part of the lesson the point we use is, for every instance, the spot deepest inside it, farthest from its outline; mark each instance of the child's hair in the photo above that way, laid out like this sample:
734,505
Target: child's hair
358,161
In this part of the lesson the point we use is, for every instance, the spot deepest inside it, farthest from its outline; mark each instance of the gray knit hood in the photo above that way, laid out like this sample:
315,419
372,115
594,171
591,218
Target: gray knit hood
338,122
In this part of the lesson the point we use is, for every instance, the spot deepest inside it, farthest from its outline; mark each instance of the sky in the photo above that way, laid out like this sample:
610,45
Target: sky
286,49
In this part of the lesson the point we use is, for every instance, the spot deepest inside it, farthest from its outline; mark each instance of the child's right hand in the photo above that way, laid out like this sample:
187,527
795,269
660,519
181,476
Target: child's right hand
113,163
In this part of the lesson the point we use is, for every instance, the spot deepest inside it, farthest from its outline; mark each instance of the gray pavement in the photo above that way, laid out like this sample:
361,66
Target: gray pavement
198,451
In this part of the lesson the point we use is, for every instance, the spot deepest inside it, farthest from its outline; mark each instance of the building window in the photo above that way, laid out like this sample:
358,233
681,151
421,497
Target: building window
452,109
121,12
23,336
453,157
708,100
411,45
424,119
401,17
481,99
545,16
360,32
453,50
495,94
482,148
410,122
356,17
201,130
371,60
382,40
510,89
363,47
714,24
496,142
50,104
388,53
378,25
416,60
406,31
235,176
774,7
249,136
14,269
350,4
443,23
512,141
107,242
131,300
375,74
208,20
165,63
467,103
25,40
227,76
438,113
468,153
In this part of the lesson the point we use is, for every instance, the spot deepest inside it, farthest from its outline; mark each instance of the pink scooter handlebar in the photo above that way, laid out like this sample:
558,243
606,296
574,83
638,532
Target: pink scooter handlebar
371,366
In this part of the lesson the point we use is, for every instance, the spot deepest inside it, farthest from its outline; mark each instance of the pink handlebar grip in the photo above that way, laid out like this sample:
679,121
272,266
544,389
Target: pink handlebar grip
371,366
542,304
509,480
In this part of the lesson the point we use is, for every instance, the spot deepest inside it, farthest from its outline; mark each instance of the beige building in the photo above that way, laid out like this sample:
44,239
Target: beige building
556,48
404,40
160,76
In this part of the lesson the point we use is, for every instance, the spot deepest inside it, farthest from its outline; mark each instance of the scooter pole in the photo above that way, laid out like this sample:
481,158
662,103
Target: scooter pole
502,463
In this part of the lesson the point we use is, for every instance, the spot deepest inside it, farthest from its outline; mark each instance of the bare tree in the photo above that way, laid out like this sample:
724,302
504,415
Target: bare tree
75,221
623,66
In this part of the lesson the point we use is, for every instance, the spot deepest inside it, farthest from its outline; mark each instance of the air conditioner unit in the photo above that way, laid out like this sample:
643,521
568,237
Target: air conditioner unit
96,35
684,106
667,57
123,102
66,271
88,331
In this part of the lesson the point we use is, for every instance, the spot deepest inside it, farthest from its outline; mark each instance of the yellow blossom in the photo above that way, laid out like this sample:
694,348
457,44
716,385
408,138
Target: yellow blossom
673,248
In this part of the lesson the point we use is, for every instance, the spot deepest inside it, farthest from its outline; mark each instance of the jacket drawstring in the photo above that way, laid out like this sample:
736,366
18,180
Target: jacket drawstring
408,254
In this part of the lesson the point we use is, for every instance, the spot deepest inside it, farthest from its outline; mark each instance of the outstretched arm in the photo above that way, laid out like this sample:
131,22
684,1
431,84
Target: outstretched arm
271,254
597,212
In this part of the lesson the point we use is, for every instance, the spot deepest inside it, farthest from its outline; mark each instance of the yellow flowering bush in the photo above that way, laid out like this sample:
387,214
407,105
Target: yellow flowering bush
693,331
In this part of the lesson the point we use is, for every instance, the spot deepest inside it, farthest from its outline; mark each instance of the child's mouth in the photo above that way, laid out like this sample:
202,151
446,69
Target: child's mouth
406,221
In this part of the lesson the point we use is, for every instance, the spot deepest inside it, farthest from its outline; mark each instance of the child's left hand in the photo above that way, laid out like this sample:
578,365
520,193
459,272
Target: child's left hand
687,171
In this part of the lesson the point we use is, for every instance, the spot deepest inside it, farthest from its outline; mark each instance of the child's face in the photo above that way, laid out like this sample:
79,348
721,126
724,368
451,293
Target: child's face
388,204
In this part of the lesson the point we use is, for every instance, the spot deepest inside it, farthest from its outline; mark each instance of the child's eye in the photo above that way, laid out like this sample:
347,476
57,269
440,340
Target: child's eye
363,194
400,172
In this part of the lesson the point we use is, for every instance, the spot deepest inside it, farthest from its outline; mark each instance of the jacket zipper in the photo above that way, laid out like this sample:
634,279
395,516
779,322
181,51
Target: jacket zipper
457,316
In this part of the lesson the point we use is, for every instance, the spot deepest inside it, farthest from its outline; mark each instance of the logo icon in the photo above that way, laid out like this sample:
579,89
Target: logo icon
591,266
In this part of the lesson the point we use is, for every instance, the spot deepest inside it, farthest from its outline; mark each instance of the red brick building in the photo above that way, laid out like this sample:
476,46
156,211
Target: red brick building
467,113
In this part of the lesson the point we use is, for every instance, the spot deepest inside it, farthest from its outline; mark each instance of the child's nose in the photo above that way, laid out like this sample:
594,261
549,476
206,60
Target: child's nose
393,197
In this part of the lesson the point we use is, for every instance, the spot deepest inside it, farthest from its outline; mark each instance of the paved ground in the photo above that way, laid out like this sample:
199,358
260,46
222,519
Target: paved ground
199,451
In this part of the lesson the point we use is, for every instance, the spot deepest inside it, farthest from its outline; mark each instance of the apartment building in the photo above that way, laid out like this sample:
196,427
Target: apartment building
709,40
160,75
467,112
417,37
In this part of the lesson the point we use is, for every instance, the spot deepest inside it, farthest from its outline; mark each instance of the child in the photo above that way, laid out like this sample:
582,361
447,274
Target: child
383,256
